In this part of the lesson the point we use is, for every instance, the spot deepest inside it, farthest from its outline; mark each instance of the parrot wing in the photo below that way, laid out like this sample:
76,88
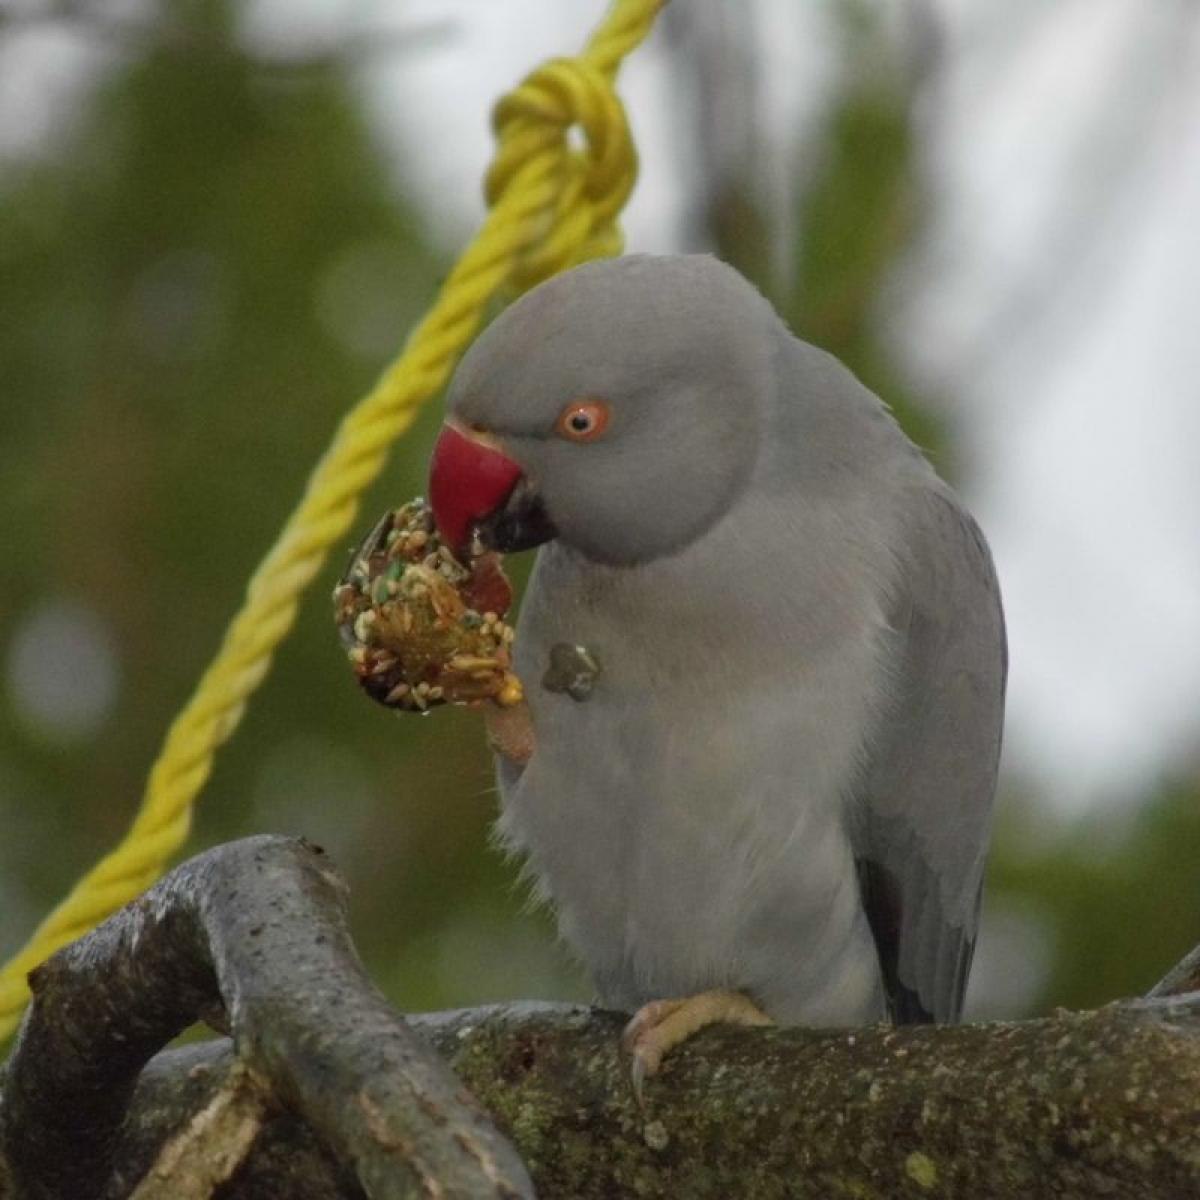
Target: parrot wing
924,818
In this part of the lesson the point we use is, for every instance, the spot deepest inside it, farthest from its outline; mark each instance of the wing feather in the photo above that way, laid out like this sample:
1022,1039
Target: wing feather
925,818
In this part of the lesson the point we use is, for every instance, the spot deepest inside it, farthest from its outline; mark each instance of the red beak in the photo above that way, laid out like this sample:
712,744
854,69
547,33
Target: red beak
468,480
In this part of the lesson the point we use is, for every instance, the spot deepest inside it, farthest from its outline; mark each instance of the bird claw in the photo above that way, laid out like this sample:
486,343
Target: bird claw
645,1059
510,731
659,1026
639,1042
638,1070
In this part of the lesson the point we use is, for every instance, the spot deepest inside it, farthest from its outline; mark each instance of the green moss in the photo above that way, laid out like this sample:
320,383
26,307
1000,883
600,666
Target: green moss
921,1169
854,1189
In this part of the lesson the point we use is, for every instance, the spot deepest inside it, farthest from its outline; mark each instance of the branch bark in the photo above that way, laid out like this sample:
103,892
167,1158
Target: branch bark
1085,1105
254,930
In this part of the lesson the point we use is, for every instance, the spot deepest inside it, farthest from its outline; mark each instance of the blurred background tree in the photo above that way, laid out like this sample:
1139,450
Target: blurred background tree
208,268
208,261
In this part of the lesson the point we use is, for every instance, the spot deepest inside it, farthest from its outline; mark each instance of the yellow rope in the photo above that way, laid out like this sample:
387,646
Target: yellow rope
551,206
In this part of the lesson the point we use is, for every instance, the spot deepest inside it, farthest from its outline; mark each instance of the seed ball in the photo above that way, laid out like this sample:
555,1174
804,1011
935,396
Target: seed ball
407,608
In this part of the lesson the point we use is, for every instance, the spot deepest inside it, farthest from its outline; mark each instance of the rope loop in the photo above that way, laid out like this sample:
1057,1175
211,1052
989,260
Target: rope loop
585,185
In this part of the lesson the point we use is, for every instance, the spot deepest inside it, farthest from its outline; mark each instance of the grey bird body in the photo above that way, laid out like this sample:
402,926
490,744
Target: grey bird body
782,780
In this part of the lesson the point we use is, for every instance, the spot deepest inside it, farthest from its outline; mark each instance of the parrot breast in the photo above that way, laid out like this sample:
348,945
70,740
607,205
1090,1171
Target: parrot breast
688,817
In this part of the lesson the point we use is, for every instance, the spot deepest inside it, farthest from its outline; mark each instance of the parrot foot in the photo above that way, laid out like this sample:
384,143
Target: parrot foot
661,1025
510,731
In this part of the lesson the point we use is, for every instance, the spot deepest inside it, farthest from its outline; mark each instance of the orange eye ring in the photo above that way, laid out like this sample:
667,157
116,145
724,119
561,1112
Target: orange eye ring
582,420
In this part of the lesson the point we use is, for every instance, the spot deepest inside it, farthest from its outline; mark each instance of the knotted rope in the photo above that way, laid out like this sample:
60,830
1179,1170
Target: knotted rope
552,205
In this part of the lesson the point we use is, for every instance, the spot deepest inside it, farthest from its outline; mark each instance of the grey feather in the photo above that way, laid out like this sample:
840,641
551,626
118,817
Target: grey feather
927,795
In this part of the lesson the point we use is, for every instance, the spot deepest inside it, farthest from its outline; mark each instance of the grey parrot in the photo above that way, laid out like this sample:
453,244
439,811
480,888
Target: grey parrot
770,797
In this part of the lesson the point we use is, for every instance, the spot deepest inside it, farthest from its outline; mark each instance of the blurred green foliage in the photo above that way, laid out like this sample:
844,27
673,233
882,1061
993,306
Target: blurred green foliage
203,275
1117,892
195,282
858,217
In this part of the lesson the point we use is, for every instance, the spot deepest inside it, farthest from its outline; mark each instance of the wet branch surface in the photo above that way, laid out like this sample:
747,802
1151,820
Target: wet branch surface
324,1092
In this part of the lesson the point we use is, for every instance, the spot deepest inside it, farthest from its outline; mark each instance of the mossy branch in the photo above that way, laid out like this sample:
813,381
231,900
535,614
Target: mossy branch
345,1099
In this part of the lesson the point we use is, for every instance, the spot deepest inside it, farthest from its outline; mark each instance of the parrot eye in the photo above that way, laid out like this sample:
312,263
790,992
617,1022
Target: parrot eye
582,420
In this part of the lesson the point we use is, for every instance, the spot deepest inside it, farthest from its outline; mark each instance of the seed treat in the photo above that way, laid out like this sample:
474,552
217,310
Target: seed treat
421,628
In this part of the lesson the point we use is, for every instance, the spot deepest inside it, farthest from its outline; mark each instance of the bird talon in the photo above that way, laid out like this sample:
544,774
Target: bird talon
647,1018
645,1060
639,1040
661,1025
638,1071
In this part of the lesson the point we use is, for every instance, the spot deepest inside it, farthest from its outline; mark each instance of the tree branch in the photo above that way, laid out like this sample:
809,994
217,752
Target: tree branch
1081,1105
1180,980
257,926
212,1144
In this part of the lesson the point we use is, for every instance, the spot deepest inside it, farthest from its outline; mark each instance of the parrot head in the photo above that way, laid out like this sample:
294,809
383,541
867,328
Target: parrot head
617,407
